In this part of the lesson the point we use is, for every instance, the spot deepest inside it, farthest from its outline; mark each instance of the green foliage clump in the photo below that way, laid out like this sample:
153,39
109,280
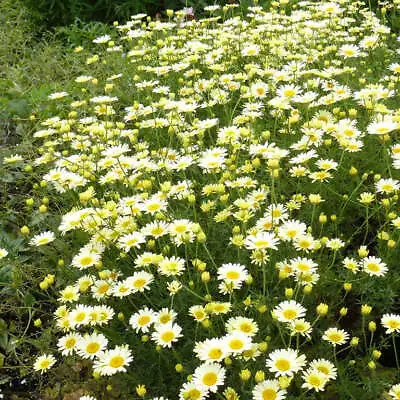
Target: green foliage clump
185,191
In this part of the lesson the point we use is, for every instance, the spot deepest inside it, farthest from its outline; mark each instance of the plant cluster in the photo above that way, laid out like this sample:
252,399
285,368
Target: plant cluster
218,198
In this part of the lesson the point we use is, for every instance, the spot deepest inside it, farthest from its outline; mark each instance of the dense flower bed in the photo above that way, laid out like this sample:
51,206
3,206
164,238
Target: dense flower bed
228,196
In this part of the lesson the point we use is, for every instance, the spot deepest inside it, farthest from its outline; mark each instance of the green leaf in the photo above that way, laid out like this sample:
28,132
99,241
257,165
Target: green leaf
6,274
4,341
29,300
3,326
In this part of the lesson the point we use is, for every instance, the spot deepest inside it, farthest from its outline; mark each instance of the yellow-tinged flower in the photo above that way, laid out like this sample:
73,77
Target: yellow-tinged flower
44,363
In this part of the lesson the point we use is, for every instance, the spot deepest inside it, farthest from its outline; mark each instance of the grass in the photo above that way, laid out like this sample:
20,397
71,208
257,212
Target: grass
224,201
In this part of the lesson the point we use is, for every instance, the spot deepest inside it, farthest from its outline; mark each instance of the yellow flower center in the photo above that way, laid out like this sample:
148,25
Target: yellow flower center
157,231
154,207
215,354
373,267
303,267
143,320
44,364
116,362
304,243
393,324
236,344
335,337
261,243
387,187
103,288
291,233
70,343
315,381
167,336
290,314
80,316
245,327
210,378
92,348
138,283
282,364
260,91
269,394
165,318
180,228
193,394
323,369
382,130
199,314
232,275
85,261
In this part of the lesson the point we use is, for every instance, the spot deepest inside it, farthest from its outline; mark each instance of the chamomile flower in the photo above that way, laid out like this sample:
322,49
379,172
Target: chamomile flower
237,342
68,343
134,239
250,50
109,362
101,289
304,243
261,241
268,390
80,315
102,39
387,186
382,127
242,324
122,288
285,362
69,294
314,380
44,363
291,229
166,334
288,311
156,229
86,259
42,239
90,346
351,264
165,316
192,391
395,392
300,327
101,315
391,322
3,253
302,265
171,266
335,336
211,350
154,205
209,376
325,367
142,320
259,89
57,95
234,274
198,313
349,51
140,281
373,266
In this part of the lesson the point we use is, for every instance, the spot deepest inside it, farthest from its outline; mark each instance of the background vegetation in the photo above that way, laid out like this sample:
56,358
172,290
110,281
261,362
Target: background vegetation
37,41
